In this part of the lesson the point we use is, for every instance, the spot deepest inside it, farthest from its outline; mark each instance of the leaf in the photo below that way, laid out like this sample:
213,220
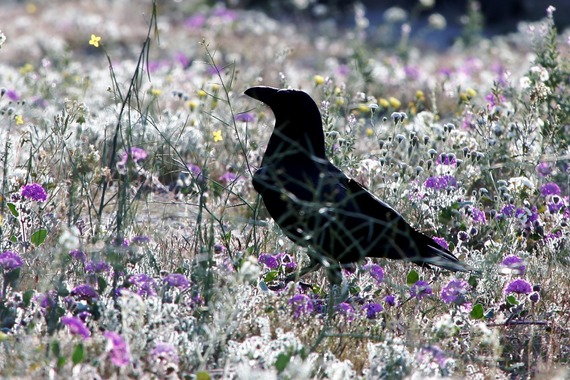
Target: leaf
101,284
12,276
55,347
412,278
12,208
271,276
282,362
78,354
477,312
512,300
472,281
27,297
38,237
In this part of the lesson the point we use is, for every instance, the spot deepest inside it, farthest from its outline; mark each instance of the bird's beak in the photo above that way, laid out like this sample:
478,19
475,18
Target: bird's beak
262,93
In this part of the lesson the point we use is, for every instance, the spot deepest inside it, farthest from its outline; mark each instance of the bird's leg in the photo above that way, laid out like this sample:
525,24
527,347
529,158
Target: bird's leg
338,286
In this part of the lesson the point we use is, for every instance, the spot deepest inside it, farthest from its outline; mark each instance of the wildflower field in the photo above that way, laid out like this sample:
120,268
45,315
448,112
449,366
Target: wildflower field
132,242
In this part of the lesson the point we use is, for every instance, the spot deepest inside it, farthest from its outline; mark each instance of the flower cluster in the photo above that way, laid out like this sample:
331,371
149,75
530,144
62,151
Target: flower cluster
10,260
118,349
34,191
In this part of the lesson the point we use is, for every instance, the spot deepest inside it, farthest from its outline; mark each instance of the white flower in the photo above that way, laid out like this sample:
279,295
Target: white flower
520,183
249,270
2,38
69,238
524,83
437,21
541,72
395,15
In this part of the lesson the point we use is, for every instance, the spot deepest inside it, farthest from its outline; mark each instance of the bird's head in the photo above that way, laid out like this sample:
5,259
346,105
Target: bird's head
297,116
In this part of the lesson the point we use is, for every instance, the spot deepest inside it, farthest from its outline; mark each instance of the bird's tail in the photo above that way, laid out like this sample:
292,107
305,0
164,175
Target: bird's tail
439,257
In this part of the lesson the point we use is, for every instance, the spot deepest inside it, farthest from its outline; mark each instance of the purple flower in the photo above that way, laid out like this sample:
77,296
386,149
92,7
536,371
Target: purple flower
543,169
518,286
10,260
47,300
137,154
84,315
372,309
346,310
441,242
84,292
225,14
164,352
194,170
440,183
454,292
227,178
515,264
286,261
268,260
182,59
534,297
76,326
550,189
118,349
555,206
411,72
429,353
195,22
507,211
140,239
35,192
478,215
97,267
78,255
301,304
420,290
390,300
493,99
177,280
376,272
145,285
13,95
245,117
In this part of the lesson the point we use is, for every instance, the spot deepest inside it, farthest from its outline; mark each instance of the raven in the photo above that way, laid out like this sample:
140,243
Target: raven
319,207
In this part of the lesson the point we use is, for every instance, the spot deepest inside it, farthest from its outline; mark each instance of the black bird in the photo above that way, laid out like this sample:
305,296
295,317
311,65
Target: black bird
319,207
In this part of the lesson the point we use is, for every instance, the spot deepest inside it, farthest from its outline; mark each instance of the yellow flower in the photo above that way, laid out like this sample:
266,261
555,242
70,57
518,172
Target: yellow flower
27,68
369,132
19,119
383,103
420,96
395,103
363,108
217,135
193,104
31,8
339,101
202,94
95,40
319,79
155,92
471,93
215,87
